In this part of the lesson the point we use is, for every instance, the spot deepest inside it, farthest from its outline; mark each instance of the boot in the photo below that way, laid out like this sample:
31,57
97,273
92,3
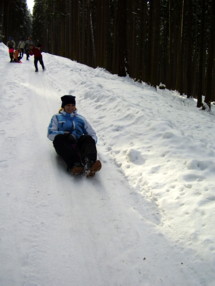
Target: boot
77,169
91,168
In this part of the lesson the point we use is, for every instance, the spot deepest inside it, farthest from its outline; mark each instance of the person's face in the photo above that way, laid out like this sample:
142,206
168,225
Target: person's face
69,108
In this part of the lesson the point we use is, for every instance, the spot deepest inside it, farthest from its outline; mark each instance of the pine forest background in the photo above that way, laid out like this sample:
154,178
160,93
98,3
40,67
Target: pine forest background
168,42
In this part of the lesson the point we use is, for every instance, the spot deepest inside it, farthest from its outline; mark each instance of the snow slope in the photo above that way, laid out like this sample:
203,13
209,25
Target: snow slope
147,218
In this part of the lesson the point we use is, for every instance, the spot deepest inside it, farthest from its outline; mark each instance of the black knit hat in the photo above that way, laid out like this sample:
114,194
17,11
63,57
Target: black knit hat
67,99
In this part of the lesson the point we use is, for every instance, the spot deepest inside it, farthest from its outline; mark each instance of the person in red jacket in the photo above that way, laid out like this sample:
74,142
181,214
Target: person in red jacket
36,51
11,46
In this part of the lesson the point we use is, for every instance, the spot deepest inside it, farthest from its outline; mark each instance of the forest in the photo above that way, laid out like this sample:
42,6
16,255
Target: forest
165,43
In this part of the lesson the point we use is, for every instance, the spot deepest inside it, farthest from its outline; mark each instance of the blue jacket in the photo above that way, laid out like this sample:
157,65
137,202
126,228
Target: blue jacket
73,123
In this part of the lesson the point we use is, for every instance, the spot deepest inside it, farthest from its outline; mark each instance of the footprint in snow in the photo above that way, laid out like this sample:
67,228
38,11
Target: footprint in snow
135,157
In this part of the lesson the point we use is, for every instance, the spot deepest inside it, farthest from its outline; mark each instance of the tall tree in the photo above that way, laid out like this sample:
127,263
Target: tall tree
154,42
201,57
101,33
119,39
180,43
38,24
15,20
210,72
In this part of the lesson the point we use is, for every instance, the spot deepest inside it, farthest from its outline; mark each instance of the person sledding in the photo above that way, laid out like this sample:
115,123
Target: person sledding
17,56
74,139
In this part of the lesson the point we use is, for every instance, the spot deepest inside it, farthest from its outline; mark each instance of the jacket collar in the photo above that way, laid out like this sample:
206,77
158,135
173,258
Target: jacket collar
69,114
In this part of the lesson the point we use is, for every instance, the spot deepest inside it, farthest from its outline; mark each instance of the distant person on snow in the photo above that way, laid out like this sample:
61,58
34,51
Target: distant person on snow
11,46
28,43
74,139
36,51
21,47
17,56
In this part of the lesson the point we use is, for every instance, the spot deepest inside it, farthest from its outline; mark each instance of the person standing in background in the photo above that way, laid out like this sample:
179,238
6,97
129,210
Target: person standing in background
28,43
11,46
36,51
21,47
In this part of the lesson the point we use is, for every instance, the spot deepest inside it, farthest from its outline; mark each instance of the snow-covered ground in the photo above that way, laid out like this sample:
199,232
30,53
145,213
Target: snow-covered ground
146,219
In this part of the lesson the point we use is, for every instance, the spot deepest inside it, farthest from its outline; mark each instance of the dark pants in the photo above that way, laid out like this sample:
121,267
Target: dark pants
21,52
40,60
73,151
27,51
11,50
